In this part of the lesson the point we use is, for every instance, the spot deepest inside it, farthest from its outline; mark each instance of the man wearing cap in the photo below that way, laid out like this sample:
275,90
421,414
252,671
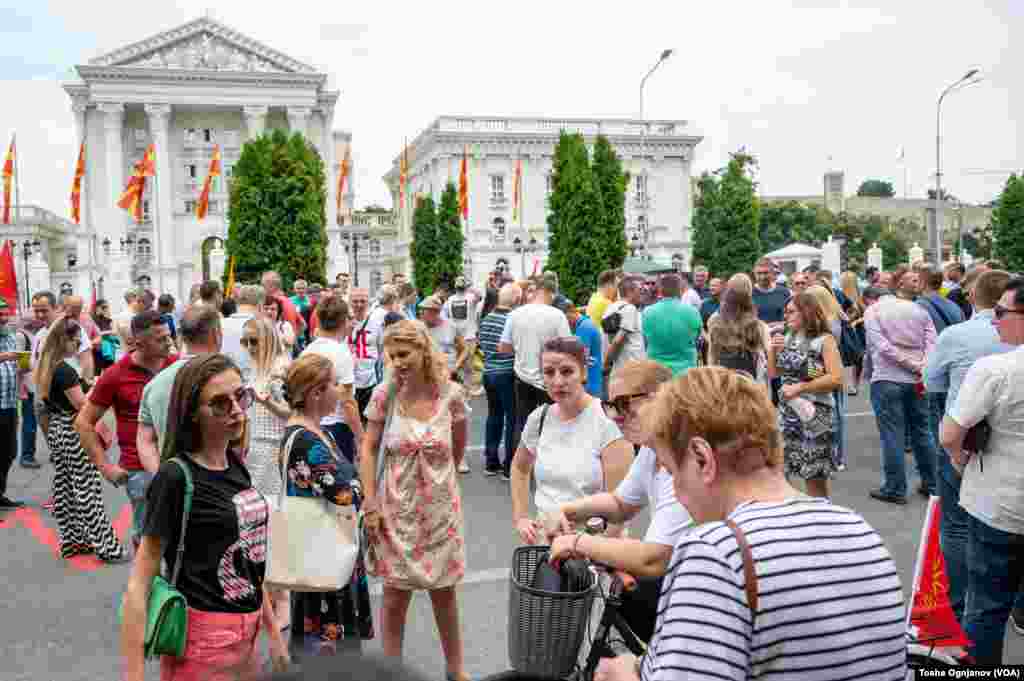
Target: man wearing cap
448,340
8,402
462,309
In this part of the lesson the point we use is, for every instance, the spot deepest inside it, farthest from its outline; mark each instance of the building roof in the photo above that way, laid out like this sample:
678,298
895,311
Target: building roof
795,251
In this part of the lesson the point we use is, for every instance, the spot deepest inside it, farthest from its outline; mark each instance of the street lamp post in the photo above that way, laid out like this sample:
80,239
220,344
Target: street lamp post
934,237
26,252
522,249
665,54
352,240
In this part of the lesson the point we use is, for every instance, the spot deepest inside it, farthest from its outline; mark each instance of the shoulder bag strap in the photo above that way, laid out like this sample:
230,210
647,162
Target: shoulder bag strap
381,449
942,315
186,512
543,416
286,455
749,574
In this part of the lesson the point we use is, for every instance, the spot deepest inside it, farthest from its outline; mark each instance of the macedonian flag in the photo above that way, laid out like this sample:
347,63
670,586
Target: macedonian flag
131,198
464,187
8,179
403,175
76,186
346,167
203,205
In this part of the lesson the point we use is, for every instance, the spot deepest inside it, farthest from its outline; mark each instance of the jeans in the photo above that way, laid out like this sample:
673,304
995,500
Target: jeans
135,485
899,411
28,428
501,417
936,410
995,565
528,398
8,444
953,533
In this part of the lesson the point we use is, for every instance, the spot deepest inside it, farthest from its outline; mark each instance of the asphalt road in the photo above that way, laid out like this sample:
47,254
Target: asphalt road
59,621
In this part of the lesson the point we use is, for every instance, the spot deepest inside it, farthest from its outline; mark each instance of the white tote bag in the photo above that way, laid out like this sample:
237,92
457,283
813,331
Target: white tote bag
312,543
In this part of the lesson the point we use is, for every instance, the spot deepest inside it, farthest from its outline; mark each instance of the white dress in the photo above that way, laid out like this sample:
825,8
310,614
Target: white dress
265,432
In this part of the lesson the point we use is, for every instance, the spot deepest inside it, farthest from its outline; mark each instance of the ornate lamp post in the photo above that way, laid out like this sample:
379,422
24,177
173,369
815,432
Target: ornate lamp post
522,249
26,252
351,240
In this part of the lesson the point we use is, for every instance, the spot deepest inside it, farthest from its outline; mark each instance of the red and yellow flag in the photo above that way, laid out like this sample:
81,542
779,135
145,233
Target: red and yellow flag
8,278
8,179
931,613
76,186
203,204
517,189
346,166
231,277
149,161
403,175
464,186
131,198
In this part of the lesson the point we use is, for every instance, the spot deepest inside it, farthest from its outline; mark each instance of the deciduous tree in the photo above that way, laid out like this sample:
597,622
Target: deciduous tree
1008,224
880,188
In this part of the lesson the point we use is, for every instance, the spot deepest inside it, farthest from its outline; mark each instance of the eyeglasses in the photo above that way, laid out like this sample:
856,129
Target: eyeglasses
249,342
221,404
1001,311
622,406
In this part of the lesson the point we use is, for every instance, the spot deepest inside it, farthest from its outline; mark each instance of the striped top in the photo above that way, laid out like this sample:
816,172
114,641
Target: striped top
489,335
830,602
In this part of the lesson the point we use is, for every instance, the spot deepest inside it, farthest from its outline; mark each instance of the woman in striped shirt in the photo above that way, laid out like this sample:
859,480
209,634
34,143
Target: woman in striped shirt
770,583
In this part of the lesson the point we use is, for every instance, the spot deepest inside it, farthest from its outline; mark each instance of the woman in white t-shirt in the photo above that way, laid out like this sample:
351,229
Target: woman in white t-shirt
571,447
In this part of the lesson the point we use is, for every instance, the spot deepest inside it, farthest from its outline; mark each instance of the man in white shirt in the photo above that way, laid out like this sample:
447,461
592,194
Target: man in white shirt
249,300
526,330
627,343
689,295
122,323
364,341
463,309
331,342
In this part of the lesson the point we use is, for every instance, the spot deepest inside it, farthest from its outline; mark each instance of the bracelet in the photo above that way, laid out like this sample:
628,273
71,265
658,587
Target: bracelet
576,543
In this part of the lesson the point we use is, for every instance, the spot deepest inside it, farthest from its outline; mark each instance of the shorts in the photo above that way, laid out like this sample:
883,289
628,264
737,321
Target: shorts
220,646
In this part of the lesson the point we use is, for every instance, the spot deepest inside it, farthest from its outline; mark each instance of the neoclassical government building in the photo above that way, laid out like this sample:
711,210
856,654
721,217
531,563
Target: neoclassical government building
184,90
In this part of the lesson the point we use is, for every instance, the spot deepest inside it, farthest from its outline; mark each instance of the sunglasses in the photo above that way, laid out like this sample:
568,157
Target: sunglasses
622,405
1001,311
249,342
221,405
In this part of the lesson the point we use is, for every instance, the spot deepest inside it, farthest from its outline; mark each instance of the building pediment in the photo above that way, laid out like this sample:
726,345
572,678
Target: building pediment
203,45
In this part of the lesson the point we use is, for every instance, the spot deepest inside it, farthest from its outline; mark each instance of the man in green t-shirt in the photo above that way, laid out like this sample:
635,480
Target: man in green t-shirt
671,328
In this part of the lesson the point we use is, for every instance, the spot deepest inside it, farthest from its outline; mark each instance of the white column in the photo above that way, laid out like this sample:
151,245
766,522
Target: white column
83,234
336,258
165,252
113,218
255,120
298,119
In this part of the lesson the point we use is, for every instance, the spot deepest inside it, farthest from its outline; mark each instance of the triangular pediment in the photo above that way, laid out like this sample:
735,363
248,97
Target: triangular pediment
202,45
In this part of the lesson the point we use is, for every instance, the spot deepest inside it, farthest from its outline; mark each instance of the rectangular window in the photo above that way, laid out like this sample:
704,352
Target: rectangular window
191,135
190,207
214,208
641,187
548,182
190,171
497,187
207,135
145,211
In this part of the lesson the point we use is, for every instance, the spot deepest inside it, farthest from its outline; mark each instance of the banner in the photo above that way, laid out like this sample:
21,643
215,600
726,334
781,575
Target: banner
8,174
346,165
517,189
403,175
76,186
464,187
203,204
8,277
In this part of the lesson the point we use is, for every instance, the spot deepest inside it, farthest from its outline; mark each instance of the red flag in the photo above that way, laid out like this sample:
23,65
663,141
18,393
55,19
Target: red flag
8,278
76,186
346,166
932,614
8,174
403,175
149,161
517,189
464,187
131,198
203,204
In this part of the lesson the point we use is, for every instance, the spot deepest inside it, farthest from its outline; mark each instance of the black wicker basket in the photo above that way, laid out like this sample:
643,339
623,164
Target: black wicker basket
545,629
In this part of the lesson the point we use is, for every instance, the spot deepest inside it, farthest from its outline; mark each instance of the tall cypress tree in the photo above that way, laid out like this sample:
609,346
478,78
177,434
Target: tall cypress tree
448,249
574,245
1008,225
423,247
611,183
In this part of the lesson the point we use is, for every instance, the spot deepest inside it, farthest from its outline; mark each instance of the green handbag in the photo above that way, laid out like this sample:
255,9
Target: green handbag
167,611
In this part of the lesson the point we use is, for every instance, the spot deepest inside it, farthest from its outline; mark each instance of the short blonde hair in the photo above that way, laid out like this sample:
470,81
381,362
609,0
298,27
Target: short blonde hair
306,373
414,333
727,409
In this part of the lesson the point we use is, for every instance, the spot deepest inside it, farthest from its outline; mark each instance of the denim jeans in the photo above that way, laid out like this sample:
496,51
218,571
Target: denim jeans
501,417
899,411
996,566
953,533
28,428
135,485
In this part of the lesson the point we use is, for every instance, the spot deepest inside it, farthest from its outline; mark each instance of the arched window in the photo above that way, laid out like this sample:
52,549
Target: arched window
499,229
144,281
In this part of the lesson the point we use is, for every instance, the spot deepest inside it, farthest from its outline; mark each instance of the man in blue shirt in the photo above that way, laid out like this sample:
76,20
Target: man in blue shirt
958,347
589,335
943,312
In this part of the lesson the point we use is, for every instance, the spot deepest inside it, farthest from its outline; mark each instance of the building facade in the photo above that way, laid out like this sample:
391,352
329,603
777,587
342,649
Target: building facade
185,91
657,155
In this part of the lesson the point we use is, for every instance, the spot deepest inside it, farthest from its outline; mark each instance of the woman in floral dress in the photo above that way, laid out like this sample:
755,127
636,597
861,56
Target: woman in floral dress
414,512
807,360
322,623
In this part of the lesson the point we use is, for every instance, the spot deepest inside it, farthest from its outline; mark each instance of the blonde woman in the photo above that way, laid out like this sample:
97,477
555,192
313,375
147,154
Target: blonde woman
415,521
270,411
82,521
855,313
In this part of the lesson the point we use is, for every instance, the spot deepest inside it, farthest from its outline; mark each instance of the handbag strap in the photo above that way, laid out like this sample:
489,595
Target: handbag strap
286,455
749,574
381,449
186,512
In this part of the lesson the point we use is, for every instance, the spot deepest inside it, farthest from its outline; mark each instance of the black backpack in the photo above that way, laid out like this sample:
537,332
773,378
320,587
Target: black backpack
743,361
460,309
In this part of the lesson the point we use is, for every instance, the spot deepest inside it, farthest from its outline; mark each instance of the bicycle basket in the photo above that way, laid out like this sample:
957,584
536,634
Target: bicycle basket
545,629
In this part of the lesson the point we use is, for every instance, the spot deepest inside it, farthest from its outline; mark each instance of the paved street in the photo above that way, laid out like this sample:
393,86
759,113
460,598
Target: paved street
59,620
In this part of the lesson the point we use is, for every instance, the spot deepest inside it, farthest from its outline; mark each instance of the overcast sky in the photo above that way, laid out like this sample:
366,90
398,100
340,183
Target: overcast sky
796,83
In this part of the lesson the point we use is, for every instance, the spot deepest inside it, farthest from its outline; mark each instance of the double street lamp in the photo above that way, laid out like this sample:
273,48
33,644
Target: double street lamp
26,252
522,249
934,236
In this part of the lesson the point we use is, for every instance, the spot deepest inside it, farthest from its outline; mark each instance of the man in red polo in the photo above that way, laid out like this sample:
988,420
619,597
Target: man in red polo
274,288
120,387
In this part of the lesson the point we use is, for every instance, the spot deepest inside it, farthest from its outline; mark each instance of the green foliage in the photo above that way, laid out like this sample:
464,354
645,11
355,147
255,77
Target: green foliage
611,183
276,210
862,232
422,250
879,188
787,222
575,249
448,249
1008,224
726,222
979,242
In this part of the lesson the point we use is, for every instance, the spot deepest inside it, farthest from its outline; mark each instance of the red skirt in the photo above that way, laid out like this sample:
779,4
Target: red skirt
220,646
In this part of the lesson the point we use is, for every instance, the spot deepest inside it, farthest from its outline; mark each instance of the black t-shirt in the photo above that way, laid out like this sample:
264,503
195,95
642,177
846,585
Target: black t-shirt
771,305
64,378
226,542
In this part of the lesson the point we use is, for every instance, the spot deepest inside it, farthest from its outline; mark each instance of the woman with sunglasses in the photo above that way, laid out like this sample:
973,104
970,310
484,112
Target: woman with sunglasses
571,447
82,521
321,623
273,310
222,567
270,411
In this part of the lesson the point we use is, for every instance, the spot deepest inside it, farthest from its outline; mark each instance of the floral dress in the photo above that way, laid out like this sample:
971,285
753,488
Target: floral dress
420,544
810,447
321,620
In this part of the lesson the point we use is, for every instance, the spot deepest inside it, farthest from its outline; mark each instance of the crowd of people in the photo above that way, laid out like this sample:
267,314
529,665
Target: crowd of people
710,400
